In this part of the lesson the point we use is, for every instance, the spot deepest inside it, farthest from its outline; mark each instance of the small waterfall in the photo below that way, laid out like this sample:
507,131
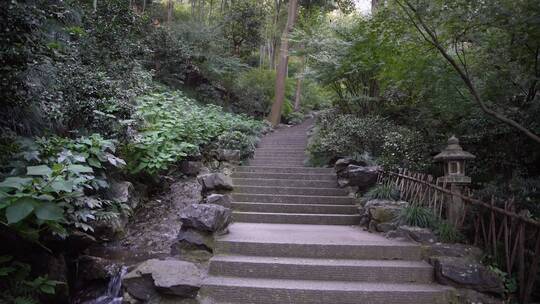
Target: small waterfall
112,295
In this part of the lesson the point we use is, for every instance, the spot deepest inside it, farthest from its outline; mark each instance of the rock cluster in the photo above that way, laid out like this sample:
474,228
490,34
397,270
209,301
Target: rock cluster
381,215
352,175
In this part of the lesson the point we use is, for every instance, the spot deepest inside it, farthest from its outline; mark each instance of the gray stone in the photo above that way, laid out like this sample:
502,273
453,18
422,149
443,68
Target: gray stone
417,234
190,239
191,168
464,273
125,192
468,296
95,268
384,210
455,250
224,200
206,217
215,181
229,155
342,164
362,177
178,278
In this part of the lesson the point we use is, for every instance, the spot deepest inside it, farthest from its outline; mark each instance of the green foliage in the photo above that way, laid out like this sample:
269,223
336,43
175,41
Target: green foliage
17,284
447,232
418,216
49,183
255,89
236,140
384,192
242,26
294,118
341,135
174,127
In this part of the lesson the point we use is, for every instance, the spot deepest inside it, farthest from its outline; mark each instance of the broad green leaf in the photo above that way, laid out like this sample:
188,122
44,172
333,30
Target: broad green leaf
80,169
15,182
41,170
45,197
20,209
94,162
49,212
62,185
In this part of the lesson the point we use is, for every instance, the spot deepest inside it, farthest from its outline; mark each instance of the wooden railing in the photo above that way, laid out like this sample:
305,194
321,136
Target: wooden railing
509,237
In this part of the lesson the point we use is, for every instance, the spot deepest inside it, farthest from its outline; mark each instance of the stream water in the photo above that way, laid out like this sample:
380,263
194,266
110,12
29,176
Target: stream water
112,295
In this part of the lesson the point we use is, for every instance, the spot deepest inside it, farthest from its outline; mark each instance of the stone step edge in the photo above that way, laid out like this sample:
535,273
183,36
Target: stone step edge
319,285
296,188
313,215
413,264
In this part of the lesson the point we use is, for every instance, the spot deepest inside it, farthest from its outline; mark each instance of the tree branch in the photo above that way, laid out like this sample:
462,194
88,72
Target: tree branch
422,27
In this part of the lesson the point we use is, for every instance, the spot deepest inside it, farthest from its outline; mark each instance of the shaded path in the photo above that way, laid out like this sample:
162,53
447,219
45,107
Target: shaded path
295,240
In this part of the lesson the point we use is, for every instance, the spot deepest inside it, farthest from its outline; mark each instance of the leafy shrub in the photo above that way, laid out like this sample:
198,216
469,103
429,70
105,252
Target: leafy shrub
295,118
48,188
385,192
418,216
17,286
236,140
255,89
174,126
339,135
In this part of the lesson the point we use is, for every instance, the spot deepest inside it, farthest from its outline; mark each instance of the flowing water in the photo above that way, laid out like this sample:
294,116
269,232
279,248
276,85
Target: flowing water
112,295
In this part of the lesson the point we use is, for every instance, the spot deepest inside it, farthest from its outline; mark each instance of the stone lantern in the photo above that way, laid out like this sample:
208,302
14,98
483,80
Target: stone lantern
454,158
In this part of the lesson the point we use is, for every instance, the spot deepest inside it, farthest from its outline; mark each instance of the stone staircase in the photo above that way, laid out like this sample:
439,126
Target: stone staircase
295,240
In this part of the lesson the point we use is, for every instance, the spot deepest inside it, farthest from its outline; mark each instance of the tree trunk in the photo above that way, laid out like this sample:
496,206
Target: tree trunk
170,8
95,6
281,74
374,6
143,6
299,80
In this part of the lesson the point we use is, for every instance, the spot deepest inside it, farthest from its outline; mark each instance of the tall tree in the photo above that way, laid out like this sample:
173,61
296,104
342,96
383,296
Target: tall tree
281,74
459,64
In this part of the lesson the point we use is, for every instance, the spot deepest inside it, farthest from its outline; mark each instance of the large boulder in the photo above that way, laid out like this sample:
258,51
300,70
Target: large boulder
215,182
191,239
125,192
359,176
171,277
464,273
384,211
224,200
417,234
206,217
342,164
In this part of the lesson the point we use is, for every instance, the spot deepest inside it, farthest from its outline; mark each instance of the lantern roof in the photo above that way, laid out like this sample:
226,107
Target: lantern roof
453,151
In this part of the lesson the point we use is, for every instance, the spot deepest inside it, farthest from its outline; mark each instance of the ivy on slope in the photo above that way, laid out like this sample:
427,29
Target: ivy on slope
174,127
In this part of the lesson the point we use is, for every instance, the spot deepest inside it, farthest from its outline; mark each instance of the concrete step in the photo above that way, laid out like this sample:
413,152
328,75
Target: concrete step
292,199
294,208
284,182
290,190
382,271
273,291
280,158
276,163
280,150
287,176
266,169
313,241
296,218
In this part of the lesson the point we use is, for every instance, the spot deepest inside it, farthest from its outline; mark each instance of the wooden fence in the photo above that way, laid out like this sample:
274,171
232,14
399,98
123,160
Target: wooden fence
508,236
